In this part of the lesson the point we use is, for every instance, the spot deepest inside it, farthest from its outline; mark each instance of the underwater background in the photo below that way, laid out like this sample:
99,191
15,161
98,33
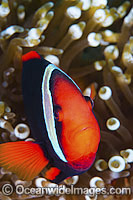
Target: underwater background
92,41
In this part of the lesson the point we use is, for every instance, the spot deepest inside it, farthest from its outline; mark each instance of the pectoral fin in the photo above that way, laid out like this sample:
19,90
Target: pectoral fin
26,159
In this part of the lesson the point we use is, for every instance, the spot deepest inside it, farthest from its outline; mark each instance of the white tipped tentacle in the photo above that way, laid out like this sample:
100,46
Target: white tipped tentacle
116,164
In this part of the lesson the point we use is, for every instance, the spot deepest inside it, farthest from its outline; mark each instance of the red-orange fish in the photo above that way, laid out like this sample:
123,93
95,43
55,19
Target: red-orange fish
61,121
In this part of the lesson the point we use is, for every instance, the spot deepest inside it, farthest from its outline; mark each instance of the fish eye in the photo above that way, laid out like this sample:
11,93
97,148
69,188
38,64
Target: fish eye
58,115
88,99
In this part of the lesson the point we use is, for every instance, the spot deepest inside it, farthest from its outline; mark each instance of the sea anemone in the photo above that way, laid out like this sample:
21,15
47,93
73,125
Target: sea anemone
92,41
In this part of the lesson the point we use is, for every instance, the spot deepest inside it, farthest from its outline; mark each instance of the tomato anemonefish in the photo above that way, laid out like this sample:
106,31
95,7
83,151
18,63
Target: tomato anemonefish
61,121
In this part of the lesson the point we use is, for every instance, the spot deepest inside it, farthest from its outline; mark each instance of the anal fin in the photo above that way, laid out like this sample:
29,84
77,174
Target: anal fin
52,173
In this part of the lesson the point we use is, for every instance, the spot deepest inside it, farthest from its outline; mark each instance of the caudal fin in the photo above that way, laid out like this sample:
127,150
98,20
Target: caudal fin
26,159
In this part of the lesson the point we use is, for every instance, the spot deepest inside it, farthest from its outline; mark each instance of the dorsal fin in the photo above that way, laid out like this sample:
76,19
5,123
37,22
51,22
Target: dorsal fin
30,55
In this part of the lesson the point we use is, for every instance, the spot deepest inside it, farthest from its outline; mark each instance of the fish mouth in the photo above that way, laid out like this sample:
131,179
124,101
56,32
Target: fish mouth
80,129
83,129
